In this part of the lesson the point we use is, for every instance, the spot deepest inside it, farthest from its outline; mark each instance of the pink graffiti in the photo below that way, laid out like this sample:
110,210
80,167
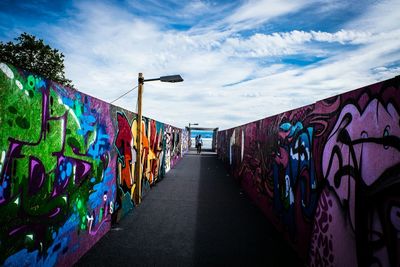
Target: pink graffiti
360,156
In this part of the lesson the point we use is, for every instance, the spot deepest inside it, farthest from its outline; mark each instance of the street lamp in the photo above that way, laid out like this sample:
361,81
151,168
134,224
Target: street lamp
138,172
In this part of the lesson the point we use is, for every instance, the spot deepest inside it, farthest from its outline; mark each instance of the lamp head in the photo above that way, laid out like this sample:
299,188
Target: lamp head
171,79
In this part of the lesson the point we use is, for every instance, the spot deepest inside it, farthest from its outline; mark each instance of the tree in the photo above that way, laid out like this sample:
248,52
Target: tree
35,56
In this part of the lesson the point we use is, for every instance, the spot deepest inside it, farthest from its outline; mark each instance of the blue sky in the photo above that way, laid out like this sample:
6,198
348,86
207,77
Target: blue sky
241,60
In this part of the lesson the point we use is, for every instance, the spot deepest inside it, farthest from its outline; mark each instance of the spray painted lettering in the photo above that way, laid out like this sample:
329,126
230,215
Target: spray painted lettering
327,175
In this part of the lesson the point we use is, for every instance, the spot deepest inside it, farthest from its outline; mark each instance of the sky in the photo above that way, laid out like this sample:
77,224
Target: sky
240,60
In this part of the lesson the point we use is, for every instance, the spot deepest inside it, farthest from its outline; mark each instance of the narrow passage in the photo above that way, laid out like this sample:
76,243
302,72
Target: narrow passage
196,216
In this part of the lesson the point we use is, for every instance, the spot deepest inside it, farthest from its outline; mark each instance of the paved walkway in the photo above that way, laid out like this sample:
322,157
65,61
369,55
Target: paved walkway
196,216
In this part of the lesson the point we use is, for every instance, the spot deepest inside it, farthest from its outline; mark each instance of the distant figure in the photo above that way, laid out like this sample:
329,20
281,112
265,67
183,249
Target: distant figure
196,141
199,143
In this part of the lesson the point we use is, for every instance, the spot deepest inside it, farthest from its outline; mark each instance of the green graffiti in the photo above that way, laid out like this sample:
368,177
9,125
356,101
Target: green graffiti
46,174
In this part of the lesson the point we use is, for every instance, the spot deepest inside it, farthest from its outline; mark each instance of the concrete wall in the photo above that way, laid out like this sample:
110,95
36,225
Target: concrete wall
327,175
66,168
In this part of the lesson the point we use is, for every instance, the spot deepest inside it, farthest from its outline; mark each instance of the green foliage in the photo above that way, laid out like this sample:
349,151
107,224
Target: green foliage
35,56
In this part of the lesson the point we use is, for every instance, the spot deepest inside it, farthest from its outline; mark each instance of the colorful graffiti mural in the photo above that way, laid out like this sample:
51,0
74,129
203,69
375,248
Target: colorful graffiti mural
66,168
327,175
185,141
155,160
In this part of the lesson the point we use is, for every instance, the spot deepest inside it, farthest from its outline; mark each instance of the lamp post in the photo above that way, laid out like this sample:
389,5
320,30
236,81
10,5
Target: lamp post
138,165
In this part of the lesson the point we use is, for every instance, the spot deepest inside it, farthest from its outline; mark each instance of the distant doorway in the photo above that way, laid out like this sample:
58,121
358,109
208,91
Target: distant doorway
208,135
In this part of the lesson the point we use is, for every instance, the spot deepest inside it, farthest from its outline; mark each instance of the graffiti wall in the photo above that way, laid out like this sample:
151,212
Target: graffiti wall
67,168
327,175
161,150
185,141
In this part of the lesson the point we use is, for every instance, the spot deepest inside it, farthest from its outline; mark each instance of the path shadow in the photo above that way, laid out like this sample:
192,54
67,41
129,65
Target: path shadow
230,230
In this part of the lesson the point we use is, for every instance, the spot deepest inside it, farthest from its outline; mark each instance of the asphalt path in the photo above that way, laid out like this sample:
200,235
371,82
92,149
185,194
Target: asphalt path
196,216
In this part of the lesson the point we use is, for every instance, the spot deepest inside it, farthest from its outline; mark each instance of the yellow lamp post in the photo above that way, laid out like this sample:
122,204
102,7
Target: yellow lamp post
138,164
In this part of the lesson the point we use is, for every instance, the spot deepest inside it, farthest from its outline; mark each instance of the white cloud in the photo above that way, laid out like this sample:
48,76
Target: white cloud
194,8
342,36
255,12
289,43
106,46
327,6
383,16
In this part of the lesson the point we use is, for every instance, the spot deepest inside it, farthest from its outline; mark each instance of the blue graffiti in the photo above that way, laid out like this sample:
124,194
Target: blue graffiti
87,124
96,198
59,246
2,187
299,172
83,112
69,102
127,204
101,144
65,169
